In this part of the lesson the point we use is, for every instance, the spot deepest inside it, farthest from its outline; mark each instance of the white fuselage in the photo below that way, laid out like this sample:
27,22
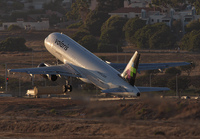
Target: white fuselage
91,68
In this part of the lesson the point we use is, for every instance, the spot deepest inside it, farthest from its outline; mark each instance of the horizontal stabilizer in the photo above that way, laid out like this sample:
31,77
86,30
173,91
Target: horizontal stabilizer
152,89
149,66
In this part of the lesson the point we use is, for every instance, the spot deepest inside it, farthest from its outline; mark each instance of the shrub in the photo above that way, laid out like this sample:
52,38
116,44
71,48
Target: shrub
14,44
75,25
14,28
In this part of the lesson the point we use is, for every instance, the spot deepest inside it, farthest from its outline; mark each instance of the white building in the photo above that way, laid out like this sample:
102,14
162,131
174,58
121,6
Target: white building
153,15
44,25
36,4
67,3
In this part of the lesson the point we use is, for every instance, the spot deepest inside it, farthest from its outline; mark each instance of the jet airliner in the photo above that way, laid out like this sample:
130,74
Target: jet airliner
78,62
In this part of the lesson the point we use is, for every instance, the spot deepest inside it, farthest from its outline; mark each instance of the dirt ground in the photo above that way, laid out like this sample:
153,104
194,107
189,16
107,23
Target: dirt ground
64,118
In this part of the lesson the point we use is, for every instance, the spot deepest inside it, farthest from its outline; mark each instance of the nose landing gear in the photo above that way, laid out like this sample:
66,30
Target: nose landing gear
138,94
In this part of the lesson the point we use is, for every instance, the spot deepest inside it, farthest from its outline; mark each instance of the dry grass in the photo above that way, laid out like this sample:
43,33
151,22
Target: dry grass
109,119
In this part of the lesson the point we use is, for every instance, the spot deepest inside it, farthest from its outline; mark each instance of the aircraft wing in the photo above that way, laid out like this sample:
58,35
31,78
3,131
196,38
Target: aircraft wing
160,66
149,66
63,70
152,89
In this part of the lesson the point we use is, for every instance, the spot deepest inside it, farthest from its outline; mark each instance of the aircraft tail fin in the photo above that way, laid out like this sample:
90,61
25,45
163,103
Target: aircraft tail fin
131,69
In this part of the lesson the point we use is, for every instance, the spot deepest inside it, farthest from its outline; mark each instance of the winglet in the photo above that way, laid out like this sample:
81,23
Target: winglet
131,69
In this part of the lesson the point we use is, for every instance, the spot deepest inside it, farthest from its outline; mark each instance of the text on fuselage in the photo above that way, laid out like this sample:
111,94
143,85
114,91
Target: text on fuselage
61,44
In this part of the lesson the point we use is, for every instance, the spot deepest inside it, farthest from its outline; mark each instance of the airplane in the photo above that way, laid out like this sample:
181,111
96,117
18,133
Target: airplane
80,63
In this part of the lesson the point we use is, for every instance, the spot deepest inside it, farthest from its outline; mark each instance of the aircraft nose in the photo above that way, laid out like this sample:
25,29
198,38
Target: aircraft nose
47,43
46,39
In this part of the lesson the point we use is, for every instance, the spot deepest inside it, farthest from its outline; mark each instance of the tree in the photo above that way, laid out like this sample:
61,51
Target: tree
183,83
53,19
18,6
16,15
172,3
94,21
188,68
131,27
79,10
110,41
156,36
110,36
191,1
109,5
13,44
14,28
159,81
162,39
55,6
142,36
176,26
173,71
185,41
193,25
104,47
195,81
79,35
191,41
194,41
76,25
177,29
197,6
115,22
89,42
111,30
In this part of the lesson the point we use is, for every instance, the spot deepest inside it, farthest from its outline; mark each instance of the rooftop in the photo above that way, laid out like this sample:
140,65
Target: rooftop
135,10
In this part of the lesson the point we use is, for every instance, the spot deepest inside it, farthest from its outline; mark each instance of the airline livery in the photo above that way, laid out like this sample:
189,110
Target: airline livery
80,63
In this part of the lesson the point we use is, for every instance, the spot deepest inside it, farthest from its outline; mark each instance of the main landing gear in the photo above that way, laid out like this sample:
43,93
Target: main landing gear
67,87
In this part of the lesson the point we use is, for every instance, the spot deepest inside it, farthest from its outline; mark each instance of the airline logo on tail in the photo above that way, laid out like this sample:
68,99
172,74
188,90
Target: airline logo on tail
130,73
131,69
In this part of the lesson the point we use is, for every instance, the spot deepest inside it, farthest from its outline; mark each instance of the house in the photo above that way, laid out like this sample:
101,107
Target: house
143,13
93,4
67,3
43,25
35,4
156,15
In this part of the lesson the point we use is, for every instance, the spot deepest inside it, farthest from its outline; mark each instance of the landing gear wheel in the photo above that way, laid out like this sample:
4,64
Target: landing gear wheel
67,88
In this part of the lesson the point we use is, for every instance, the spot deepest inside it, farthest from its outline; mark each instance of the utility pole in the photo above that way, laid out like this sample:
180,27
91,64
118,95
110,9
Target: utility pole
6,78
32,58
117,55
176,84
32,79
150,79
19,86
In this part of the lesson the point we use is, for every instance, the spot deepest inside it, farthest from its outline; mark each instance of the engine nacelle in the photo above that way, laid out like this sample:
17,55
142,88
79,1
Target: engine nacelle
43,65
47,76
52,77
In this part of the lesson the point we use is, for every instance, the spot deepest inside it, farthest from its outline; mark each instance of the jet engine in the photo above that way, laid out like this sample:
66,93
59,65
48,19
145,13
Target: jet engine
47,76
